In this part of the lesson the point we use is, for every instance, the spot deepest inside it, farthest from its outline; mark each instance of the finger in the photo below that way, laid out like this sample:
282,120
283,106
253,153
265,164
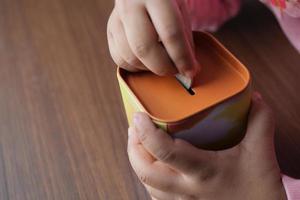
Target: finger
260,128
112,49
114,52
169,25
147,169
177,153
187,22
188,31
143,39
159,195
122,43
120,62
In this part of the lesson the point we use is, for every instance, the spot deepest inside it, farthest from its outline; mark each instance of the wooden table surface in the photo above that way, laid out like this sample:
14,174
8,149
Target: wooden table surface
62,125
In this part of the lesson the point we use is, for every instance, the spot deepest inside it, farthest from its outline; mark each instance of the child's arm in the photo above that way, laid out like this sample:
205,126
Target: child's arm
173,169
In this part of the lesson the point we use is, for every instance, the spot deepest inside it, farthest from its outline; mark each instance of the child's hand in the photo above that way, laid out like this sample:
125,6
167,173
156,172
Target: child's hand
153,35
173,169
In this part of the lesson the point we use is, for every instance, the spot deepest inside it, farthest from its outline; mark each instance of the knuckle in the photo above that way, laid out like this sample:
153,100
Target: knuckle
171,34
129,150
179,142
183,61
132,60
108,26
188,197
204,175
124,7
143,178
141,49
113,18
161,71
126,66
143,136
123,64
166,155
169,187
109,34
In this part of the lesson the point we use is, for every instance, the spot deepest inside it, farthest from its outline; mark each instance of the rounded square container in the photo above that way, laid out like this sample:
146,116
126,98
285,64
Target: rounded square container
214,118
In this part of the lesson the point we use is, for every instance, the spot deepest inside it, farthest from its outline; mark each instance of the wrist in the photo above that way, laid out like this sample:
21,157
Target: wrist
269,189
264,187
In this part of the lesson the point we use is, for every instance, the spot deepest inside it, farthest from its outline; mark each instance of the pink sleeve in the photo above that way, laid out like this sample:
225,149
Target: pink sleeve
288,16
292,187
289,7
211,14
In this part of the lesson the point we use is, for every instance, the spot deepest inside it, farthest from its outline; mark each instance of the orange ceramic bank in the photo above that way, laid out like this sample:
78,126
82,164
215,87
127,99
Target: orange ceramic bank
214,117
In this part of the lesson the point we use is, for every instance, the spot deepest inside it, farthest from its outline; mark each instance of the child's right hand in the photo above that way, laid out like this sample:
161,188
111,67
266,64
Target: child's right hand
152,35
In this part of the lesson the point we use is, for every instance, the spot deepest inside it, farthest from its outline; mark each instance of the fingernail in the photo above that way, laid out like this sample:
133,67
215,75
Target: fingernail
130,131
189,74
192,72
257,96
198,67
136,119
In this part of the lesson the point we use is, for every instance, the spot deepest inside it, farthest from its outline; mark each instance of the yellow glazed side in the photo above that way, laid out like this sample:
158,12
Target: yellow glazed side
132,104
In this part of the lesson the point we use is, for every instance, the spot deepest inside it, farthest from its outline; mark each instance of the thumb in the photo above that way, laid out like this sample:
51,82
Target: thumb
260,130
176,153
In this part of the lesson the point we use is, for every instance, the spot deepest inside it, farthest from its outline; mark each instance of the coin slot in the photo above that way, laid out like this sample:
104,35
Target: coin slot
189,90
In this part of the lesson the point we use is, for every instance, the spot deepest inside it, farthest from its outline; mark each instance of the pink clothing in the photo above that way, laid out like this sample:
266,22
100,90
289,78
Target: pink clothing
211,14
289,20
292,187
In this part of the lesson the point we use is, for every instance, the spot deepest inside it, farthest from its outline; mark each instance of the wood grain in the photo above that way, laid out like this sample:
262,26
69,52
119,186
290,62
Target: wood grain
62,126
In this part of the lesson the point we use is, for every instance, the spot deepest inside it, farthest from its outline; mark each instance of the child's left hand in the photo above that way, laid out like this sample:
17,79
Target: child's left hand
172,169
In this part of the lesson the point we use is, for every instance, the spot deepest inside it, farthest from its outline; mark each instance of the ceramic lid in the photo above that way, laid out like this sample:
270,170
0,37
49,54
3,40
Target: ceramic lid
165,99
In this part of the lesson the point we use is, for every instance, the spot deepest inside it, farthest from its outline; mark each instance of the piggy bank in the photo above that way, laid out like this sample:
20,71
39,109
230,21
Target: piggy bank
212,116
